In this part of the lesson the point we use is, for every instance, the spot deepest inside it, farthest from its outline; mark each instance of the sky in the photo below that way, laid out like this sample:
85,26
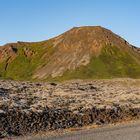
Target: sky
37,20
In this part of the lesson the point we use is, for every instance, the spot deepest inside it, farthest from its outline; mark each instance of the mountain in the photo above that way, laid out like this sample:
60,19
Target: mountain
90,52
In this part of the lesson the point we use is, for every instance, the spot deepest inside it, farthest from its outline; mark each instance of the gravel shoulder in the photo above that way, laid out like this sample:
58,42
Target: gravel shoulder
124,131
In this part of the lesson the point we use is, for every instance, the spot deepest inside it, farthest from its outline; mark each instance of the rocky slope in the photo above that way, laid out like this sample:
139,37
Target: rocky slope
80,53
27,107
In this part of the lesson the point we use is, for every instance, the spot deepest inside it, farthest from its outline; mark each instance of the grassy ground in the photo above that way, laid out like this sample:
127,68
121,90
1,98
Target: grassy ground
23,67
111,63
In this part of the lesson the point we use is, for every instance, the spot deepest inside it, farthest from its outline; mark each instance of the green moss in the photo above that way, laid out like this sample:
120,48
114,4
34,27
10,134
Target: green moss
23,67
2,69
111,63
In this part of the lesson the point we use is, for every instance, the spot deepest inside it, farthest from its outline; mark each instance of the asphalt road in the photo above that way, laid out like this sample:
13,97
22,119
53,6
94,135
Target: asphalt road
120,132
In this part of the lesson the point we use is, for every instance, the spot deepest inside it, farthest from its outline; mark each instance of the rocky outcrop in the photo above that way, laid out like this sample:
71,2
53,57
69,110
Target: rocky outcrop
27,107
136,49
7,51
28,52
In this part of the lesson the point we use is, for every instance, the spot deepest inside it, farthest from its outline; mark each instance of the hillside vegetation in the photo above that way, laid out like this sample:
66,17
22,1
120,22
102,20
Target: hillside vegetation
80,53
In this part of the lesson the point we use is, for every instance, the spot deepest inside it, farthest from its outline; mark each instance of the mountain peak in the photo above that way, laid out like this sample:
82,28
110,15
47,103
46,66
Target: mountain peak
90,36
82,52
89,27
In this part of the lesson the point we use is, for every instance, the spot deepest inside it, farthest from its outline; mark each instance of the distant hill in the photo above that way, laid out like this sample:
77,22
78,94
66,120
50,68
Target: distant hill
90,52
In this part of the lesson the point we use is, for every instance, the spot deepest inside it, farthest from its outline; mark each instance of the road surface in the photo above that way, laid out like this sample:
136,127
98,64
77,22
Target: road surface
119,132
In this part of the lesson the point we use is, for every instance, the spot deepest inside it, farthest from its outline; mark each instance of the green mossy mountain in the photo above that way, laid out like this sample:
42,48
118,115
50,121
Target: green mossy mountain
80,53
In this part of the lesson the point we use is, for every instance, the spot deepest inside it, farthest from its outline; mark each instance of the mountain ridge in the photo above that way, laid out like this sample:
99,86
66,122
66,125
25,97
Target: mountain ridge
59,57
